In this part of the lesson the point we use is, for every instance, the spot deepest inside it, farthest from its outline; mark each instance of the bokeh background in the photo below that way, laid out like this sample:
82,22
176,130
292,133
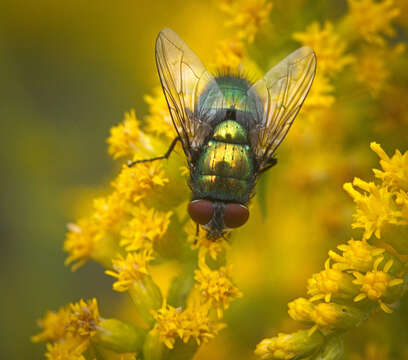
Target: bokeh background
70,69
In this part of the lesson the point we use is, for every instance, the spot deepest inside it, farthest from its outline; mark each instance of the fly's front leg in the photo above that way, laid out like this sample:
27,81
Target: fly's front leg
165,156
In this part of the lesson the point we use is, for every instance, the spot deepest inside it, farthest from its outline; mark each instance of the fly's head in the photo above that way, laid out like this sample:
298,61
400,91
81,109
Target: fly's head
217,217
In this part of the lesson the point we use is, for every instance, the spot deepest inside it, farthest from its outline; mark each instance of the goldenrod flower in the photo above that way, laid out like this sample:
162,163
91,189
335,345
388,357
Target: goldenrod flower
246,16
81,241
331,317
300,309
68,349
174,323
376,284
137,182
331,283
375,207
288,346
372,67
145,229
328,46
54,325
126,139
394,170
371,19
130,269
84,318
357,255
229,54
216,287
159,121
201,242
109,211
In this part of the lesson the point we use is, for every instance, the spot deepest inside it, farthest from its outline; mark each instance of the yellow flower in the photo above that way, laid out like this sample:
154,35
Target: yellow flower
300,309
126,139
205,246
130,269
375,284
54,325
357,255
395,169
329,283
372,67
137,182
84,318
69,349
288,346
216,287
229,55
174,323
81,241
375,208
331,317
159,121
109,211
320,96
372,18
328,46
247,16
145,229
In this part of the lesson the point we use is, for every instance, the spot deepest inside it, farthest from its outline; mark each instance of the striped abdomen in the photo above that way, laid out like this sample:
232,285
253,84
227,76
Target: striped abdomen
225,168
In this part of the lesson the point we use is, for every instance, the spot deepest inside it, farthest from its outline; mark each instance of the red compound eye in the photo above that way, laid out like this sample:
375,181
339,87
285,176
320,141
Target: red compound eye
235,215
201,211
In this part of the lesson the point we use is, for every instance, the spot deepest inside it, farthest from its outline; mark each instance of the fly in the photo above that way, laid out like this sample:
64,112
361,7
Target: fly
229,128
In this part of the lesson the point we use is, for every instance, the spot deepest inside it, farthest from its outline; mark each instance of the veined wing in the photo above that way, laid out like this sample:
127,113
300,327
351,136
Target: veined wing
282,92
183,78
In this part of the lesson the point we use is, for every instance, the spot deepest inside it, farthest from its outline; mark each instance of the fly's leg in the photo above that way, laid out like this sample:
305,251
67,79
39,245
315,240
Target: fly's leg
272,162
197,233
165,156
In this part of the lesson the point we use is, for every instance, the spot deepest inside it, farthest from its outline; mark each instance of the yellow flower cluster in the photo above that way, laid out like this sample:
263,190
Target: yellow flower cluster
191,323
371,19
361,275
69,330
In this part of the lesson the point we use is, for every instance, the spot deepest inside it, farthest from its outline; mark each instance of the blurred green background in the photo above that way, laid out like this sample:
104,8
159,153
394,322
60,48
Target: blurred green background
69,70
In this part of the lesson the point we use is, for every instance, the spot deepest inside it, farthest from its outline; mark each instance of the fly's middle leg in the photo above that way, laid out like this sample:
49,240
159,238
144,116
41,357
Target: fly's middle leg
165,156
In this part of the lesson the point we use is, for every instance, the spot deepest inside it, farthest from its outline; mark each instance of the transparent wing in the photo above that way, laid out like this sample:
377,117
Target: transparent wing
281,92
183,78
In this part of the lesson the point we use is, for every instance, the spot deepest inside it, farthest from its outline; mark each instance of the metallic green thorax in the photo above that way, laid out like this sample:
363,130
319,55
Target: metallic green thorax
225,168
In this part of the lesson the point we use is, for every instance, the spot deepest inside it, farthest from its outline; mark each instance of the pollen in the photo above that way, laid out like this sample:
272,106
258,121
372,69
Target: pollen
84,318
145,229
216,287
130,269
